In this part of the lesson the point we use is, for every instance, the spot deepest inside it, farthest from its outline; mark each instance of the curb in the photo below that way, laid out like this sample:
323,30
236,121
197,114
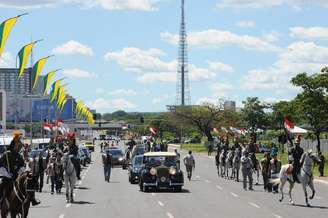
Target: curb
321,181
174,146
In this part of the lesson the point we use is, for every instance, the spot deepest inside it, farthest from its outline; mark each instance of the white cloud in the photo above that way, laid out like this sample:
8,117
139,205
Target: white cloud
73,47
7,60
214,38
204,100
159,99
246,24
268,3
78,73
221,89
137,5
298,57
150,68
103,104
123,92
309,32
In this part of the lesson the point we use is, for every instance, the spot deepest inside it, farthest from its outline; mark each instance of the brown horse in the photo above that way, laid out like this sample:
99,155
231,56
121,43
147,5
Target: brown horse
18,197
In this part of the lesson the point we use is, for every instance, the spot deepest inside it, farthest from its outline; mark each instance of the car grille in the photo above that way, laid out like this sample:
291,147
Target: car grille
163,174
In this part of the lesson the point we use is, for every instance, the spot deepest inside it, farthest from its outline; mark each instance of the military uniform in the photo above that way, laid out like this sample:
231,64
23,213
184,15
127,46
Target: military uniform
246,169
295,155
74,150
13,162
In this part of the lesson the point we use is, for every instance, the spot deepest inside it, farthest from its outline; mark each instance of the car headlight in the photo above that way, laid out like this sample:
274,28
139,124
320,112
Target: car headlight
172,171
120,159
135,169
153,171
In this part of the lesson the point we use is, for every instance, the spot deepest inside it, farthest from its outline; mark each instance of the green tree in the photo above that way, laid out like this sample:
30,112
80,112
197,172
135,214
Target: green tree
204,117
254,115
313,100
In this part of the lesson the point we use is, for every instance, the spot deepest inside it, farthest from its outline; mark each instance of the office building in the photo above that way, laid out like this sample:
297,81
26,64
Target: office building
2,110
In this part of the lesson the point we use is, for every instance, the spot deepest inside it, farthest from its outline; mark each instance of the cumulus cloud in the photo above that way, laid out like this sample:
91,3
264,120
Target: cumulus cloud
117,104
151,68
77,73
309,32
123,92
268,3
6,60
73,47
221,89
297,57
137,5
246,24
214,38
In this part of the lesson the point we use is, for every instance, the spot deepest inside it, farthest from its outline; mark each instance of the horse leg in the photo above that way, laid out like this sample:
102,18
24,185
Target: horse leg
282,189
67,191
291,186
311,185
304,184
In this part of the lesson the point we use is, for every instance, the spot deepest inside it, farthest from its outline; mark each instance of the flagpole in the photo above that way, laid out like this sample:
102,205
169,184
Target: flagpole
31,103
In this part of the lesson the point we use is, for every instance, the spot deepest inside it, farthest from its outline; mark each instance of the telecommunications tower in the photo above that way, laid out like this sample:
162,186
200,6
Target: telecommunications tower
183,85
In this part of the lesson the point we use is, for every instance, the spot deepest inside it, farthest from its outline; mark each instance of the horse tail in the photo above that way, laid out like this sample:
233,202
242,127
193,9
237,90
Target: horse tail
275,181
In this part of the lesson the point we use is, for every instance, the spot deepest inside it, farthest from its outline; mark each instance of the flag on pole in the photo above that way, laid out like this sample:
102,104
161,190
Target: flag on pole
61,96
23,56
37,68
47,127
288,124
153,130
54,90
47,81
5,28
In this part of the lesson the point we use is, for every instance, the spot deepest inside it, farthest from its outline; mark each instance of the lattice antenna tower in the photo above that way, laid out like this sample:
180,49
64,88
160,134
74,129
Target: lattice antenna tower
183,84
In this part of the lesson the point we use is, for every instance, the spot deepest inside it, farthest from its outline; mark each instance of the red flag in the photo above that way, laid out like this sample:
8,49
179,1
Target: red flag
59,122
288,124
153,130
47,127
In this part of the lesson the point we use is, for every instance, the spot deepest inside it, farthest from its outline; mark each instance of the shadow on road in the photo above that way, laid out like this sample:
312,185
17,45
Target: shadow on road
82,202
312,206
83,188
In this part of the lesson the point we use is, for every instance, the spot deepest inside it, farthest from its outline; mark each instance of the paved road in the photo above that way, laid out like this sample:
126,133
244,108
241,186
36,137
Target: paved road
205,196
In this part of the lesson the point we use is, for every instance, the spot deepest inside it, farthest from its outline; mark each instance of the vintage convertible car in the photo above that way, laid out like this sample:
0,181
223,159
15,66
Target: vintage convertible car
161,171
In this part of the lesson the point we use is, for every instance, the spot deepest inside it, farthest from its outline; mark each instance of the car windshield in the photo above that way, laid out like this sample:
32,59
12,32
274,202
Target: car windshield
161,160
140,150
137,160
115,152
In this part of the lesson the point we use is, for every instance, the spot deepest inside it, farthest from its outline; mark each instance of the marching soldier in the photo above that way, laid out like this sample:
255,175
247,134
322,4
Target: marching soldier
246,168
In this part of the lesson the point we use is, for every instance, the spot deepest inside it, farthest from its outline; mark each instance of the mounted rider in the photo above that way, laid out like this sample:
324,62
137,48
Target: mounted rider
74,151
12,164
294,157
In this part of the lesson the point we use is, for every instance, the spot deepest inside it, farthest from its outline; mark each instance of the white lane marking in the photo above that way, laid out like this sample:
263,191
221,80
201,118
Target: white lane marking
277,216
160,203
254,205
219,187
61,215
153,194
68,205
207,181
233,194
169,215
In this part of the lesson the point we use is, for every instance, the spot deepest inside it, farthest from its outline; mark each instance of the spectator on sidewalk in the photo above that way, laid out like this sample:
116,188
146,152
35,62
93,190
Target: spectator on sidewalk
321,164
266,171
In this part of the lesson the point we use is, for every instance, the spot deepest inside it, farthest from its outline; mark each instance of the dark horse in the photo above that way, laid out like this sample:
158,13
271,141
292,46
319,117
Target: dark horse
18,195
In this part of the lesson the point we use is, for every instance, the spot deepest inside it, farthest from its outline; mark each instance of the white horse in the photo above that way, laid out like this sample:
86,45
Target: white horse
228,164
69,177
222,162
305,177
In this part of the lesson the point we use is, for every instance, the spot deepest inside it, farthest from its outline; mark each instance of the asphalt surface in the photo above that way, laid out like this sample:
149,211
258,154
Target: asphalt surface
204,196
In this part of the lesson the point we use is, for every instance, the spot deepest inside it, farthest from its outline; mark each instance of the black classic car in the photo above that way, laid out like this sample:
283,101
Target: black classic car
161,171
118,158
134,169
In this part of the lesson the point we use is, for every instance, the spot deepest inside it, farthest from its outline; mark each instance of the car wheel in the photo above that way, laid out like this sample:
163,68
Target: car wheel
141,186
145,189
178,189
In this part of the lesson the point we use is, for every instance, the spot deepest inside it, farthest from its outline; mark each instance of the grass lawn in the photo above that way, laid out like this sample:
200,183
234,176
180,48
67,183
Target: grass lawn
200,148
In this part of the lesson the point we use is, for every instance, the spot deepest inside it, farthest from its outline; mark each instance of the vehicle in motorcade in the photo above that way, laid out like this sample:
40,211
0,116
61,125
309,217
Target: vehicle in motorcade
82,157
4,143
161,171
263,148
41,143
118,158
138,150
89,145
134,169
87,154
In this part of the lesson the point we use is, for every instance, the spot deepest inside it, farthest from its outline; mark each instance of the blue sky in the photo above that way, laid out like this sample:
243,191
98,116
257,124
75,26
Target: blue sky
121,54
